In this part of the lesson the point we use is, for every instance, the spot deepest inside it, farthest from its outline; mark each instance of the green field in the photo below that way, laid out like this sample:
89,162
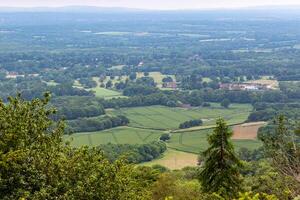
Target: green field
120,135
157,77
161,117
196,141
106,93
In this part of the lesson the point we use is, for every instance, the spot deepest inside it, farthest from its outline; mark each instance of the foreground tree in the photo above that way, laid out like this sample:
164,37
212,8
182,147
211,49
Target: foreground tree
283,148
36,164
220,173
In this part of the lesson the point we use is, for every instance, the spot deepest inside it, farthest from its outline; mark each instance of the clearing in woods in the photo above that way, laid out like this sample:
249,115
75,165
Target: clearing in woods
247,131
173,159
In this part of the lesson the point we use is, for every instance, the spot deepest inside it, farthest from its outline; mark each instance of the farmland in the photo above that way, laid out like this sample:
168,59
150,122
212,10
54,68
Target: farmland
120,135
175,160
196,141
160,117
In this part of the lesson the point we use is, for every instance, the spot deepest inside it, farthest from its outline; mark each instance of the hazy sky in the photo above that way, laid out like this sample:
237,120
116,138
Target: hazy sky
149,4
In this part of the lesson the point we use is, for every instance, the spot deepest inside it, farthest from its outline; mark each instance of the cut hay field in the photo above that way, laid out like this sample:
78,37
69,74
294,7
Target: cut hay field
120,135
161,117
173,160
247,131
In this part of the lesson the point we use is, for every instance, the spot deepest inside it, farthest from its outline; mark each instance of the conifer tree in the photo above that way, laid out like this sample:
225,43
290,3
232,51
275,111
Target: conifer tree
220,173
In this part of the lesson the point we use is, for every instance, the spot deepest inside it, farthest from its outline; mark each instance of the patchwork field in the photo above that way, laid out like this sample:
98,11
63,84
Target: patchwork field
196,141
161,117
247,131
120,135
173,159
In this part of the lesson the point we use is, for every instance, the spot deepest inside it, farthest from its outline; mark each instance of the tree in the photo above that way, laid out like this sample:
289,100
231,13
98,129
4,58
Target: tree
220,171
36,164
109,84
132,76
165,137
283,149
225,103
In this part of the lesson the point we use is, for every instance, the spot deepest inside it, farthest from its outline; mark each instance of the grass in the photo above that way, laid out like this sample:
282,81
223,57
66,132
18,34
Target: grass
157,76
120,135
103,92
161,117
106,93
196,141
173,159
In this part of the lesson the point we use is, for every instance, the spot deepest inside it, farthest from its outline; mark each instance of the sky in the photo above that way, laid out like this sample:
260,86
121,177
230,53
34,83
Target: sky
149,4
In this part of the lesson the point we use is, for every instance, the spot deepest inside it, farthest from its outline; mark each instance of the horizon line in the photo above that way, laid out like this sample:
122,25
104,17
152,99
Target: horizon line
284,6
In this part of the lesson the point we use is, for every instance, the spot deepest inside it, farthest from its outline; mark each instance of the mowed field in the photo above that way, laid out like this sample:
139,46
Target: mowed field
103,92
173,159
120,135
196,141
247,131
161,117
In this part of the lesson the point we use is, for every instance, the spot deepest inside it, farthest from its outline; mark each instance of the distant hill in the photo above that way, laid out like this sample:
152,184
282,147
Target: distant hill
71,9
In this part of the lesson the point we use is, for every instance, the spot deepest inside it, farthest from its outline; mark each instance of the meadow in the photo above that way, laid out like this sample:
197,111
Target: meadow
120,135
161,117
196,141
174,159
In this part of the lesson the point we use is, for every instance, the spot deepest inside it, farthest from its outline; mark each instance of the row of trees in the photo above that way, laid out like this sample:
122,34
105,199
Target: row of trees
137,153
191,123
96,123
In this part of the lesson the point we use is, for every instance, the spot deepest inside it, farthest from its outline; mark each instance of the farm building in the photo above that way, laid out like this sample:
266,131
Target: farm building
245,86
172,85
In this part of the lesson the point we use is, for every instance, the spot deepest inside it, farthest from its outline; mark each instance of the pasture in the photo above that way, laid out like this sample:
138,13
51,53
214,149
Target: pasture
120,135
106,93
161,117
157,77
196,141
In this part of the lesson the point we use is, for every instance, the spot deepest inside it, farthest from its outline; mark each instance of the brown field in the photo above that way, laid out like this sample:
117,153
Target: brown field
175,160
247,131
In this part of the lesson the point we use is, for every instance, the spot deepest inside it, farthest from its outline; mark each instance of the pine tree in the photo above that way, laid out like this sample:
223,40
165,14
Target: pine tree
220,173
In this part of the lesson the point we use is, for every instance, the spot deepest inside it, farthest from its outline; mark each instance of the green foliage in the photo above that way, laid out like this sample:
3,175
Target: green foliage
96,123
165,137
283,148
225,103
35,164
251,196
191,123
137,153
220,173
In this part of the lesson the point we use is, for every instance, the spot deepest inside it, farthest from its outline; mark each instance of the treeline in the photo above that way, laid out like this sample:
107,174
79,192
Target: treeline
136,153
140,100
73,107
32,87
191,123
95,123
267,111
